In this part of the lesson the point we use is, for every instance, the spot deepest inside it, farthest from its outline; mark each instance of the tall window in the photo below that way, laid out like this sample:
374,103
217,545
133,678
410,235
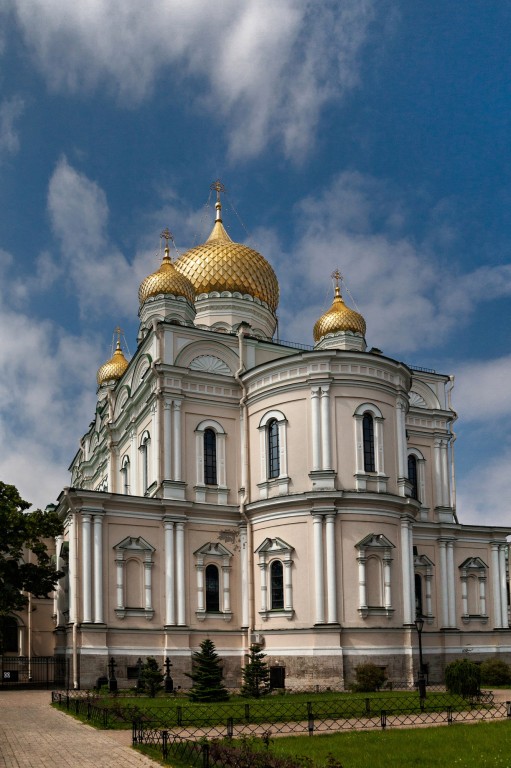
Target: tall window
212,589
418,595
412,475
273,448
277,585
144,449
210,477
368,438
125,471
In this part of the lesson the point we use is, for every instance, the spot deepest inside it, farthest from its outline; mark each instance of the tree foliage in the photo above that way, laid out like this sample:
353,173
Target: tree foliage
256,674
207,675
151,677
463,677
369,678
23,533
495,671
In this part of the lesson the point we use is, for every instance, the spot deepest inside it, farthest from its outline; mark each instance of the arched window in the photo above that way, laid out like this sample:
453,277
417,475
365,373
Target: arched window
125,471
368,438
210,476
212,589
413,476
277,585
144,450
272,436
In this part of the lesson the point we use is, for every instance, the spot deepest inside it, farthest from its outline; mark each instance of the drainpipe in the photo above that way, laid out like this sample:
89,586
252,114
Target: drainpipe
74,560
453,440
245,480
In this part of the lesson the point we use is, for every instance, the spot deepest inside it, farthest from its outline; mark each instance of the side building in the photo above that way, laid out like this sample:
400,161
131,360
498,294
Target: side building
235,487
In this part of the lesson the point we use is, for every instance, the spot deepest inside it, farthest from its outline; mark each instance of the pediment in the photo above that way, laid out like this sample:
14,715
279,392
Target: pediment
375,541
422,561
213,549
274,545
473,563
135,543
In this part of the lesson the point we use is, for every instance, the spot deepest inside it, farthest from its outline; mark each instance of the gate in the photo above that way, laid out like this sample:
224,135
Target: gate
36,672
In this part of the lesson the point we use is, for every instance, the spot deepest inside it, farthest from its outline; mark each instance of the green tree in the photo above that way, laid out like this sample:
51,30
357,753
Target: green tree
256,674
495,672
369,678
151,677
23,532
463,677
207,675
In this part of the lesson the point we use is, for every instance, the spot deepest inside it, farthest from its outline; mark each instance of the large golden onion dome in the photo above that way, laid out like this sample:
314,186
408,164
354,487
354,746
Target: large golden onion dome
222,265
166,279
339,318
114,368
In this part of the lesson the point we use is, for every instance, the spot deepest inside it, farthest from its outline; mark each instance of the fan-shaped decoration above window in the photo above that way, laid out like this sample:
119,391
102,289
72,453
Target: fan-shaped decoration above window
416,400
210,364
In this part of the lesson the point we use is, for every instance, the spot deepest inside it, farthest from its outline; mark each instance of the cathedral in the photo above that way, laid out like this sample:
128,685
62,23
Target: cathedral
235,487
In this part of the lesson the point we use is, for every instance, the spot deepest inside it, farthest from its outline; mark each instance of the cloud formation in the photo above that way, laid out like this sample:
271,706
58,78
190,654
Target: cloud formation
265,69
10,111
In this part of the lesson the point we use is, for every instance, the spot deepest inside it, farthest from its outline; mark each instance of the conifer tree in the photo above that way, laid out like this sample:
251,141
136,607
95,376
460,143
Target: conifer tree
151,677
256,674
207,675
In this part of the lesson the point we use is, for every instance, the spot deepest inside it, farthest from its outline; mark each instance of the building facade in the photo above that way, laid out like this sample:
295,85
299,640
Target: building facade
235,487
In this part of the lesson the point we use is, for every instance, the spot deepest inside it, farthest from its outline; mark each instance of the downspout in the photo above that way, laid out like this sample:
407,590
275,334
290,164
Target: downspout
245,480
453,440
159,394
74,537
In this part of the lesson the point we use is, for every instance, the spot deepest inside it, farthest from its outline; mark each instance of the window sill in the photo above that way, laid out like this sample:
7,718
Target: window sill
203,615
278,486
218,492
121,613
375,611
468,617
278,613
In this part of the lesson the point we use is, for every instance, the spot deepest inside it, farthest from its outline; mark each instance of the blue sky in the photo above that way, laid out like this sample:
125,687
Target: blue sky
369,135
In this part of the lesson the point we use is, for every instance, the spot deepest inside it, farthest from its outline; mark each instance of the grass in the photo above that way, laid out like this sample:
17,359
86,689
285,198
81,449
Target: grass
481,745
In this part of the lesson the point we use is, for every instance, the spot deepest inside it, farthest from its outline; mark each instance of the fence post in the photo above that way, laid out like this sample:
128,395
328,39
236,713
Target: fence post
247,713
449,715
310,724
179,711
164,744
383,719
88,710
205,755
134,732
368,706
230,727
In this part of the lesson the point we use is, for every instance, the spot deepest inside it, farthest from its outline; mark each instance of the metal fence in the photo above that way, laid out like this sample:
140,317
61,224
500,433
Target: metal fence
33,672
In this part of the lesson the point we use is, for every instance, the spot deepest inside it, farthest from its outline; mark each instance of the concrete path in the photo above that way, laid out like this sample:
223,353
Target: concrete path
35,735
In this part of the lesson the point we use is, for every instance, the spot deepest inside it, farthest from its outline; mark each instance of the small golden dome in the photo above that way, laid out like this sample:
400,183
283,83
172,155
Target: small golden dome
222,265
166,279
114,368
339,318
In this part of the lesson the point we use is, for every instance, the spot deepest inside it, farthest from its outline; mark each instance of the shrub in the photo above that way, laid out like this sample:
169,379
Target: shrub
256,674
207,675
495,672
150,677
369,678
463,677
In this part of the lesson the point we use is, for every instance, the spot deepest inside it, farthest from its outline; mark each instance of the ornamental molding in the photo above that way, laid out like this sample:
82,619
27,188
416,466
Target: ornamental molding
210,364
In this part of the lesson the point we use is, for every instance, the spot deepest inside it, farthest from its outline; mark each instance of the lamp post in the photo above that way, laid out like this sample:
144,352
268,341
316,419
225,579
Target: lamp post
419,626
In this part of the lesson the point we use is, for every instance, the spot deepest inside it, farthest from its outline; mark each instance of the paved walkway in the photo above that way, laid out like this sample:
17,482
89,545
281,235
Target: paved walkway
35,735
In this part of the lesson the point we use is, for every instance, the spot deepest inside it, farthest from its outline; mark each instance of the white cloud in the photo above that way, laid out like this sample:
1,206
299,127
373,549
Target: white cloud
266,69
482,392
483,494
10,111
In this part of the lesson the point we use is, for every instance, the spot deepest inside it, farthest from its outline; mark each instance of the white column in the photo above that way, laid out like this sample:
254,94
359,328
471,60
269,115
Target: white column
58,589
464,594
167,450
318,568
331,579
220,461
170,617
443,583
135,489
244,576
362,590
387,584
147,585
438,473
264,586
226,588
482,595
158,469
86,569
378,445
326,440
154,445
315,429
180,573
119,581
405,572
283,448
288,587
446,496
98,569
429,603
201,605
402,469
451,584
177,440
497,602
503,585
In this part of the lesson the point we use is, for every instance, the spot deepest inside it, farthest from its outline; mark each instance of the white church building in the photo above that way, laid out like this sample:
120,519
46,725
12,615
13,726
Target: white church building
236,487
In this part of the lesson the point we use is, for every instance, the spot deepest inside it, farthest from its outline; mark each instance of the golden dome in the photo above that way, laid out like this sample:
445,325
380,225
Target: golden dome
166,279
114,368
222,265
339,318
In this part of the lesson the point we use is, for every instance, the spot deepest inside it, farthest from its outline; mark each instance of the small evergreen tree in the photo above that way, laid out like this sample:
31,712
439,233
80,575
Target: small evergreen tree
151,677
256,674
463,677
207,675
495,672
369,678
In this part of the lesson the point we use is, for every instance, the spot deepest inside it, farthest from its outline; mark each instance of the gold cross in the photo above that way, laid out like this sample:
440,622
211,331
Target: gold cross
167,235
336,275
218,187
